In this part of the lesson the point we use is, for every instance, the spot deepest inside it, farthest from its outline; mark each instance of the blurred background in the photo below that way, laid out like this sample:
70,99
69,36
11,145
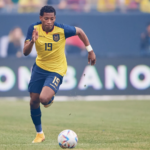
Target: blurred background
118,30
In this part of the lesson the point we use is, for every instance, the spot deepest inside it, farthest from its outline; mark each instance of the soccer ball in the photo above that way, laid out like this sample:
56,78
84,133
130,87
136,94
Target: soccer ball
67,139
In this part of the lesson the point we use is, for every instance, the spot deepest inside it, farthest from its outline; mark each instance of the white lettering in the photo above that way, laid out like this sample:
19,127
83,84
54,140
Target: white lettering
23,78
90,78
10,79
69,80
135,80
112,77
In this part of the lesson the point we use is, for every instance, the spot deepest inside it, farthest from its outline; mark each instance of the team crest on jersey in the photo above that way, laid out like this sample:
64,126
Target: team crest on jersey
56,37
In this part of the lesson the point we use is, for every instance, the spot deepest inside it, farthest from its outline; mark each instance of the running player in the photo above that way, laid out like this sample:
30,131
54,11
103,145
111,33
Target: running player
50,66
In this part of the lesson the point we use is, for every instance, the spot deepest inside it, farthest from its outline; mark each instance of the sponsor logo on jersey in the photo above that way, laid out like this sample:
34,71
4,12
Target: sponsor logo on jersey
56,37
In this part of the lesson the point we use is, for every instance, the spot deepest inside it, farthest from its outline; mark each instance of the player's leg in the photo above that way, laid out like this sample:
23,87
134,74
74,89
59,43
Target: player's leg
35,87
35,111
34,101
50,88
47,96
36,117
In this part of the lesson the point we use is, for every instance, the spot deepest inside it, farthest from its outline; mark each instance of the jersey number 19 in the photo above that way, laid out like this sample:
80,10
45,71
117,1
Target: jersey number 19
48,46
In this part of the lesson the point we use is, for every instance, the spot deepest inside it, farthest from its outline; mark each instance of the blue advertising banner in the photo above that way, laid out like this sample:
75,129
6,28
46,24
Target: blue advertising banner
110,76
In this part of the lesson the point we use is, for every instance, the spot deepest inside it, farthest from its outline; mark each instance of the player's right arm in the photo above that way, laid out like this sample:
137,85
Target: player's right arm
32,36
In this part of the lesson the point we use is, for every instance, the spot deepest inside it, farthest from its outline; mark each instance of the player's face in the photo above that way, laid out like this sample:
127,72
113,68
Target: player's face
48,20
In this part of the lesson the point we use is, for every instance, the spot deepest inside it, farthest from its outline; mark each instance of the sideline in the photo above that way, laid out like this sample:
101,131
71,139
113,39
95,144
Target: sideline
87,98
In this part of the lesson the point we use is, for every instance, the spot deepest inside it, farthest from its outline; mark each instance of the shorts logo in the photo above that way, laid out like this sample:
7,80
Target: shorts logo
56,37
53,86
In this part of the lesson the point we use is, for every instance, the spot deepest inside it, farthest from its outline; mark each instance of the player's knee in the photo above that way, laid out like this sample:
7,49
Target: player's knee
44,100
34,102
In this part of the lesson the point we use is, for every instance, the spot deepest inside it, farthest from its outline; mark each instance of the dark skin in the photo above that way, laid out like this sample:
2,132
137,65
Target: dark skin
47,93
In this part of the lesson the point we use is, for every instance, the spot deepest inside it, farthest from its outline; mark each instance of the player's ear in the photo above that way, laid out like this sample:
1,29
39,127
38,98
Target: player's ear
40,18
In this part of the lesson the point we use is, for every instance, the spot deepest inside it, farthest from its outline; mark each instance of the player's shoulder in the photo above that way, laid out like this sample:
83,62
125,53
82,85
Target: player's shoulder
64,26
31,27
68,30
59,25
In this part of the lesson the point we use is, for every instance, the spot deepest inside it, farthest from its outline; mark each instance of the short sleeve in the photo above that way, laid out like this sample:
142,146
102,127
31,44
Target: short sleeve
69,31
29,33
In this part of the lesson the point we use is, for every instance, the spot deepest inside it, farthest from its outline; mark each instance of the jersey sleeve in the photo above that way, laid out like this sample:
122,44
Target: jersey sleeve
29,33
69,31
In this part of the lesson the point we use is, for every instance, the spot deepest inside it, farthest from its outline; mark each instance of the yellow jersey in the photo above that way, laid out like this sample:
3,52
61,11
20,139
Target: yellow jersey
50,46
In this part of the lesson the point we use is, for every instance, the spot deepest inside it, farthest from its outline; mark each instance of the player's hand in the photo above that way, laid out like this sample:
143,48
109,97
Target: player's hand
91,58
35,35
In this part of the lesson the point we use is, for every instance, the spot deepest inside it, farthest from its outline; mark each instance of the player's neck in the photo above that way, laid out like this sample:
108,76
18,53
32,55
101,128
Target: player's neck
49,30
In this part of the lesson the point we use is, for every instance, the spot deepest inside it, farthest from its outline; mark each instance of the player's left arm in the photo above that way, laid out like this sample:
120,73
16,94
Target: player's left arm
84,39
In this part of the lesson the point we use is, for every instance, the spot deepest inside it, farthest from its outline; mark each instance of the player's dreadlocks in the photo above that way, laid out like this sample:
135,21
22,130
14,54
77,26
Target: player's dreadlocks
47,9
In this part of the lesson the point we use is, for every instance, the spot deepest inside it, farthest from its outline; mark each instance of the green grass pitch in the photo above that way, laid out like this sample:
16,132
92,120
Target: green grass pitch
111,125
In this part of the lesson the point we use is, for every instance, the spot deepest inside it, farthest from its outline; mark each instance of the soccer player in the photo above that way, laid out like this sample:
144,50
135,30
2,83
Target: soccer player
50,66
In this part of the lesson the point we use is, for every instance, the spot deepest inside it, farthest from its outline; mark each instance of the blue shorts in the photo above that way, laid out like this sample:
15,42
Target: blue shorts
41,78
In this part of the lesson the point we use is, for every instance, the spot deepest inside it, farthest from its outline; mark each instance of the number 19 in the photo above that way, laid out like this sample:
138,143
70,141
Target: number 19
48,46
56,81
